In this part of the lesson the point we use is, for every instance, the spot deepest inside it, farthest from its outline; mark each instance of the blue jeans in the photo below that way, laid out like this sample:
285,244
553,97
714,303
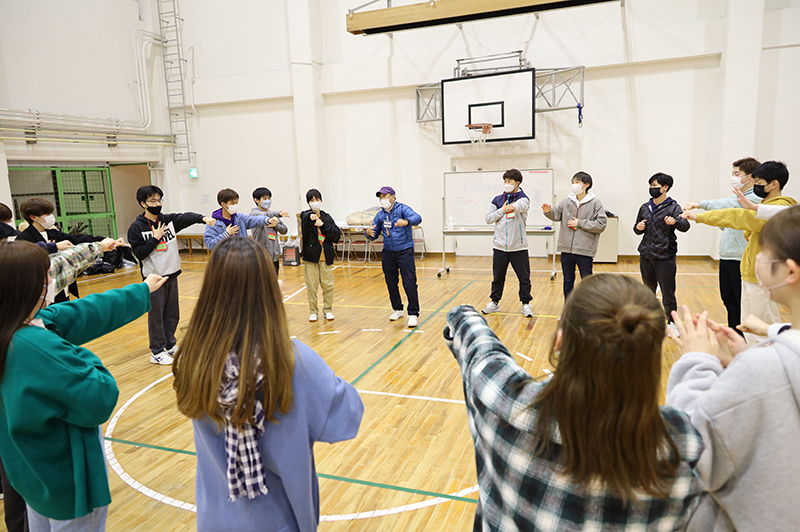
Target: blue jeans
93,522
568,263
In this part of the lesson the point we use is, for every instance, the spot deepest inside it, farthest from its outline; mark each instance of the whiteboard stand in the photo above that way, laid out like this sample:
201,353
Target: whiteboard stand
473,231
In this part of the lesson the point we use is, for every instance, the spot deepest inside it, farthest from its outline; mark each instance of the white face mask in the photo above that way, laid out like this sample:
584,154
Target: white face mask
315,205
767,289
232,209
386,203
48,222
577,188
266,204
736,182
509,188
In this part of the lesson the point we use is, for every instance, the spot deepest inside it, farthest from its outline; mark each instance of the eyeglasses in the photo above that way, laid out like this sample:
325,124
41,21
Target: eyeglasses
154,202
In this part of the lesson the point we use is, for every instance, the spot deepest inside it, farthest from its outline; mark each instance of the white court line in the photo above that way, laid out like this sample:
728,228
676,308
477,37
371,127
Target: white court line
287,298
421,397
525,357
160,497
532,271
329,332
371,330
550,373
92,279
410,330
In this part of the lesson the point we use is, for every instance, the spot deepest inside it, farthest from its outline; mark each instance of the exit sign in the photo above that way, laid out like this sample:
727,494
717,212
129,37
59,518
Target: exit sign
193,173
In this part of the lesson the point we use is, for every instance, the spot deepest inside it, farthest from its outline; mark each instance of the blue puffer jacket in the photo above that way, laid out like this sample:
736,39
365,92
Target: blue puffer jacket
396,238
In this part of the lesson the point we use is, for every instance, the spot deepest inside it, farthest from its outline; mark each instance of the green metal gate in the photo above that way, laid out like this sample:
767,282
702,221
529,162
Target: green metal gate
82,196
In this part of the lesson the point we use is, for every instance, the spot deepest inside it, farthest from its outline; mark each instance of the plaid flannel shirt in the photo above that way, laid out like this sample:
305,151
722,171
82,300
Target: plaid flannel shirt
520,491
67,265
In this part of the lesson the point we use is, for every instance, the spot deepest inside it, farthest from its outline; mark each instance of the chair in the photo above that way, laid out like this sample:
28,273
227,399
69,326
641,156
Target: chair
421,239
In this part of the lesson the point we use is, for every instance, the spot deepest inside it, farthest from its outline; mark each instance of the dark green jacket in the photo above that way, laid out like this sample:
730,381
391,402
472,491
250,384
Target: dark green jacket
54,395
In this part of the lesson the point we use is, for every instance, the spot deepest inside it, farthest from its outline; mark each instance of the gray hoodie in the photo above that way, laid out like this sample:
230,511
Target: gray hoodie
509,229
592,221
268,235
749,417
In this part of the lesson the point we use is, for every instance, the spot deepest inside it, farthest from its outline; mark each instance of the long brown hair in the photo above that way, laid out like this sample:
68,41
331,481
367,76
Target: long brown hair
240,310
604,394
24,266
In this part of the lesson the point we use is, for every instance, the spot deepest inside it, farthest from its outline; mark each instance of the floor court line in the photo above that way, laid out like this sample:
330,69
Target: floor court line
408,335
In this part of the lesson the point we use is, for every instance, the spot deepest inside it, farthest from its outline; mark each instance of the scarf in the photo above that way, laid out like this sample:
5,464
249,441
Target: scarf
245,470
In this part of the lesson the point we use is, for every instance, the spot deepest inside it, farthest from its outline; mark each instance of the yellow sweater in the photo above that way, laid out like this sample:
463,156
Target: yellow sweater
744,219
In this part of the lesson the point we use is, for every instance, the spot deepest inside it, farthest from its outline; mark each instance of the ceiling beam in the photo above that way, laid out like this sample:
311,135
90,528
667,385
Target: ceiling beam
440,12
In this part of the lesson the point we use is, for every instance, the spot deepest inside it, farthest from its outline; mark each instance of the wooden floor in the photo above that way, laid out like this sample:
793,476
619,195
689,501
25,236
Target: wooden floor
412,462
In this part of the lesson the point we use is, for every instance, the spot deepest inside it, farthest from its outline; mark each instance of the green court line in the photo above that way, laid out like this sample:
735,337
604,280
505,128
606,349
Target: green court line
397,488
320,475
148,446
398,344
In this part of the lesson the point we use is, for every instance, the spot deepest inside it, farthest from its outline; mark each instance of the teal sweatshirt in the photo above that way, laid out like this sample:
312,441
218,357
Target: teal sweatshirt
732,243
54,395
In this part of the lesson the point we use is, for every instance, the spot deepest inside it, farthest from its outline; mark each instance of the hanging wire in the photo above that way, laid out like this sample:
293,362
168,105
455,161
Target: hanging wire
580,115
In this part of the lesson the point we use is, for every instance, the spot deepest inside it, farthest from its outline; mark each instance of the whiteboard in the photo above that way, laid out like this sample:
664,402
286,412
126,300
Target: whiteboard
467,196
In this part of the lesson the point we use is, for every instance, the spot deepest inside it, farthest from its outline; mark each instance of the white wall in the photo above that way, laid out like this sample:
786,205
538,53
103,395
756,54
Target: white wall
276,87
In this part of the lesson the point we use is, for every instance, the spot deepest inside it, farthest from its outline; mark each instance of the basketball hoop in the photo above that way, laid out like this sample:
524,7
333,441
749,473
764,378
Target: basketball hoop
478,134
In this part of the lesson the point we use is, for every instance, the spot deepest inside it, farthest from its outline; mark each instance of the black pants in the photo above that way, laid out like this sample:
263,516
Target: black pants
568,263
165,313
402,262
730,289
661,273
522,267
14,505
277,264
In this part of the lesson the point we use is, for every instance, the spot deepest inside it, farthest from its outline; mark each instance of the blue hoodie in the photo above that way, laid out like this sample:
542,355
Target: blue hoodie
215,233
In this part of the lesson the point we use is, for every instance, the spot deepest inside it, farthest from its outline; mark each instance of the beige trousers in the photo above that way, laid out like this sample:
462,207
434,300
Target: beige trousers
319,274
755,301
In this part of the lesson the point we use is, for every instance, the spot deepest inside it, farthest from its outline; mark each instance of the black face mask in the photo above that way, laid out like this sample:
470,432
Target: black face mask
155,211
759,191
655,192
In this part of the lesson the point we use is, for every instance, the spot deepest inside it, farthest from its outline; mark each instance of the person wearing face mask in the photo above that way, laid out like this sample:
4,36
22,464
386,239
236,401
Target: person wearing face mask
769,179
153,239
394,222
267,235
319,233
509,214
7,227
38,213
229,221
732,242
657,221
54,394
744,401
582,218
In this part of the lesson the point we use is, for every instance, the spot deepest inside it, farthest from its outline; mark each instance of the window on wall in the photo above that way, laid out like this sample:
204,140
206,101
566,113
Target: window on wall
82,196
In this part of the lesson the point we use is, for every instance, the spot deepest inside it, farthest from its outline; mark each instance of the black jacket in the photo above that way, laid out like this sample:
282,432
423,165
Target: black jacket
311,245
143,243
660,242
54,235
7,231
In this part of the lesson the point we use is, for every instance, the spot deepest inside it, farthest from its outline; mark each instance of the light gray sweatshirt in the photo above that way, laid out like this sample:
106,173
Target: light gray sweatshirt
268,236
592,221
749,417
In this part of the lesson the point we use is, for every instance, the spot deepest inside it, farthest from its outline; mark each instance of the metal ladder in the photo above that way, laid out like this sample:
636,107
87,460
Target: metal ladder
175,64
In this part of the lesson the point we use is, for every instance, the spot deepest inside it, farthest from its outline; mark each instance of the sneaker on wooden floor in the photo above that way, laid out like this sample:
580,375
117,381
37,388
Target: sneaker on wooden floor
491,307
672,330
526,311
412,321
329,316
312,317
163,358
396,315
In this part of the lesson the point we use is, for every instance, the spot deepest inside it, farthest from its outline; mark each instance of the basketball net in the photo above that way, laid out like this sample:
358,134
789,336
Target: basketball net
478,134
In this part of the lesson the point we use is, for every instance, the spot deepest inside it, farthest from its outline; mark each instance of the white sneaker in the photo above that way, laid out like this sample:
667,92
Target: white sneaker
491,307
526,311
312,317
396,315
672,330
329,316
173,350
412,322
163,358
